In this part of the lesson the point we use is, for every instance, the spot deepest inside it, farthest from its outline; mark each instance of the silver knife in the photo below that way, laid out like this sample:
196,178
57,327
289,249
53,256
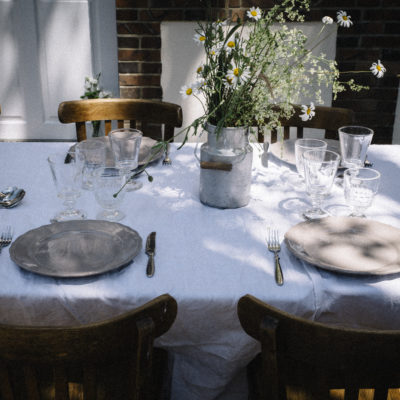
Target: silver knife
150,251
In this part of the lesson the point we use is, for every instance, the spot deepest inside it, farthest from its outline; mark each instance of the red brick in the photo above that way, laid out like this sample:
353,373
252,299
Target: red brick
152,93
161,15
131,3
126,15
139,55
128,42
130,93
139,80
139,28
234,3
258,3
381,41
128,67
150,68
191,3
150,42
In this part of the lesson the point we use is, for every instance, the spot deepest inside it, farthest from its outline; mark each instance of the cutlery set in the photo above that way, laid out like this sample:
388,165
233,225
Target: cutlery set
275,247
6,237
150,251
11,196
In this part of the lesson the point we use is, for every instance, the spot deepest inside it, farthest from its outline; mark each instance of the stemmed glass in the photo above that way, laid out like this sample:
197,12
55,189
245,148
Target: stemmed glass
109,181
300,147
354,143
320,168
360,187
67,180
125,144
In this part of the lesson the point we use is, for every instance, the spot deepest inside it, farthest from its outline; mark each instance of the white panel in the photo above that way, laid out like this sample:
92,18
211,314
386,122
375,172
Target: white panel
180,57
65,51
11,94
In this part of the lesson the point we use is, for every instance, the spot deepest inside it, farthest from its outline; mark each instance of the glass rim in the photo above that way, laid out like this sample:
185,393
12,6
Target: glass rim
298,143
135,133
325,152
376,172
368,131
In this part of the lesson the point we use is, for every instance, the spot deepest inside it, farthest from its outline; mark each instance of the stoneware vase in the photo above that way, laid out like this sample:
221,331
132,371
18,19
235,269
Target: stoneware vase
225,168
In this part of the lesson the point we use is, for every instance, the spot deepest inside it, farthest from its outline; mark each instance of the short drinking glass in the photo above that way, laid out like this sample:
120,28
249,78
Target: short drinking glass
360,187
90,155
320,168
125,144
108,182
67,180
354,143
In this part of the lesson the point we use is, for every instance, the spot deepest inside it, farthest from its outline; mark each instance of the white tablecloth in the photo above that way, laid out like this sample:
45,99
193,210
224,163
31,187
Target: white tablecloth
206,259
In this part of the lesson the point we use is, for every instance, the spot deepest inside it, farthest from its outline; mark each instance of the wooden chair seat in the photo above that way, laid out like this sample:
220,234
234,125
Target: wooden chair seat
146,115
329,119
306,360
109,360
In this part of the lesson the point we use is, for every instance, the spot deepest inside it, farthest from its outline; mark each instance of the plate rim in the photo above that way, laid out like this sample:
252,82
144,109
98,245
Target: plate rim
34,265
329,267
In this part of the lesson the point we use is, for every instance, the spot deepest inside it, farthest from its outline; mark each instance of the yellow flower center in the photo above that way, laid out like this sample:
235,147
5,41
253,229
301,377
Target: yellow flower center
231,44
229,80
344,17
189,91
254,13
202,38
378,67
308,111
199,69
236,72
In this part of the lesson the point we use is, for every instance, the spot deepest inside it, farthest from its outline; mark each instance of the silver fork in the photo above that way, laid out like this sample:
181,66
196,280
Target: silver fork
275,247
6,237
167,160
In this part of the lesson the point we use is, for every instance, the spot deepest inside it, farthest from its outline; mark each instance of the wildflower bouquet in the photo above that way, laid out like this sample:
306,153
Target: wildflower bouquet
94,91
253,76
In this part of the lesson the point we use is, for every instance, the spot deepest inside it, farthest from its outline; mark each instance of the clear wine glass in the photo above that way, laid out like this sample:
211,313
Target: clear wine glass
125,144
67,180
300,147
360,187
108,182
320,168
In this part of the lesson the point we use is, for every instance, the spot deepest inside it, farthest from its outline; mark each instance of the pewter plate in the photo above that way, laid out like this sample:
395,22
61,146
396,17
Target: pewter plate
285,151
75,249
348,245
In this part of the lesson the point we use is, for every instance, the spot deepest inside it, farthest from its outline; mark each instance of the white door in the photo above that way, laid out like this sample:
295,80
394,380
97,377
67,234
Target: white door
47,47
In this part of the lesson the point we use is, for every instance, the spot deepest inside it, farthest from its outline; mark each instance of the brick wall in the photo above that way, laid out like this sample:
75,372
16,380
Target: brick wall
374,35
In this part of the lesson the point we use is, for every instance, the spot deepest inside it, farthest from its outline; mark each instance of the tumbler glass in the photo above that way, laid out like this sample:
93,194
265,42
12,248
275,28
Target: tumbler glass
301,146
125,144
360,187
354,142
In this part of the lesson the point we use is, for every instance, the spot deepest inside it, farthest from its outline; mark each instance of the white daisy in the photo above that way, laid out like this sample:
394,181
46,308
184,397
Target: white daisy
216,49
188,90
199,38
228,82
230,45
238,75
200,69
343,19
327,20
308,112
378,69
254,13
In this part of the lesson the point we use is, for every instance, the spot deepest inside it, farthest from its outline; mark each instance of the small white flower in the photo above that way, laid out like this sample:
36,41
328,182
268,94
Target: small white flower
378,69
308,112
216,49
200,69
230,45
254,13
199,38
327,20
189,90
237,75
343,19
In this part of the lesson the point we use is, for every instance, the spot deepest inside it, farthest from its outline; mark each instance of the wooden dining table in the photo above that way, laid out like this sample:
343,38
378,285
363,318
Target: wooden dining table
206,258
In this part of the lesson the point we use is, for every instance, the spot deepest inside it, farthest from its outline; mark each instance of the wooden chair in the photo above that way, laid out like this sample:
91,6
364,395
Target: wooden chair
301,359
328,118
140,113
109,360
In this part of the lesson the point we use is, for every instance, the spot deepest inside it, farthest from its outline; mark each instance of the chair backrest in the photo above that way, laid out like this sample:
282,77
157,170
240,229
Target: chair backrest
317,357
141,114
112,358
328,118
